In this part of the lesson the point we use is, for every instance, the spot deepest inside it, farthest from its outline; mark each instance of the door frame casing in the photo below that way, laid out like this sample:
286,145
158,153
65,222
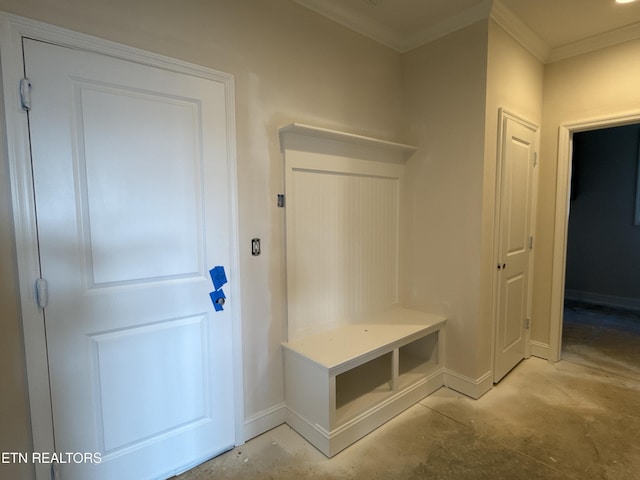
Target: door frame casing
503,115
561,218
12,30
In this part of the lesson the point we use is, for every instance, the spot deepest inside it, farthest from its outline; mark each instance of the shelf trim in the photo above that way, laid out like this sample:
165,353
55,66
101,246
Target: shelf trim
343,137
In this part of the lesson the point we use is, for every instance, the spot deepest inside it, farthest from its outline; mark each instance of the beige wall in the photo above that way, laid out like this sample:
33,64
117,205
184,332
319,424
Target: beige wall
444,87
290,65
514,83
593,86
453,89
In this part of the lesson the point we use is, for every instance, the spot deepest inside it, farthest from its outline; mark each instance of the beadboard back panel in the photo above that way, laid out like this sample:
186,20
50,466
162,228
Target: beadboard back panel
342,228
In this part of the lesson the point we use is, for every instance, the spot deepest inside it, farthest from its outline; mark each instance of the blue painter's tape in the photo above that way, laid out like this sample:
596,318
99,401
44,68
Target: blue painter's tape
217,298
218,277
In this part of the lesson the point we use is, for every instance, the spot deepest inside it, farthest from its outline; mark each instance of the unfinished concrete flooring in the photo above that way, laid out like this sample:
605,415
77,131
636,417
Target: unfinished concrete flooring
577,419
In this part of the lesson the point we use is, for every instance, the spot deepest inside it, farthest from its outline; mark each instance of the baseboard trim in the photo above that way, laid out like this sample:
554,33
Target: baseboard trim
603,299
470,387
264,421
334,441
540,350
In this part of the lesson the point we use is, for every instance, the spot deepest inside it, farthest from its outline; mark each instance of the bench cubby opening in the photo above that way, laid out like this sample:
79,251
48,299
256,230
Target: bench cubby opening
363,387
417,358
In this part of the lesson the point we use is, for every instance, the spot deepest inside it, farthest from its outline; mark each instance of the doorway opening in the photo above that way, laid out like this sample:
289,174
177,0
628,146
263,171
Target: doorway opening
601,315
566,135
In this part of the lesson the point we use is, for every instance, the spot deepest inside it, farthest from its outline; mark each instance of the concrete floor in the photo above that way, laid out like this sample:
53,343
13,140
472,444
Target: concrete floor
577,419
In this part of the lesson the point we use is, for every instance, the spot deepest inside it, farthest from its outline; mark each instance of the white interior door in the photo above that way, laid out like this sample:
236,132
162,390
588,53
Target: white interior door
516,185
132,200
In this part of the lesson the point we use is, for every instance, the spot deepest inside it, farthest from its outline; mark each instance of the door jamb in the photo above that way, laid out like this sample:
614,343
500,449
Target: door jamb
12,30
563,190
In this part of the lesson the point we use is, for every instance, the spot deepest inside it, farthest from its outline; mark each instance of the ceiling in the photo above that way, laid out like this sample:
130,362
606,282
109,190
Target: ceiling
551,29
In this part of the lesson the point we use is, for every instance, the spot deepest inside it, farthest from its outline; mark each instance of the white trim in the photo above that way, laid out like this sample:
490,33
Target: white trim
361,24
607,39
603,299
539,349
561,221
563,178
533,232
403,42
470,387
332,442
289,133
393,38
265,420
530,40
18,159
495,259
234,233
515,27
468,17
12,30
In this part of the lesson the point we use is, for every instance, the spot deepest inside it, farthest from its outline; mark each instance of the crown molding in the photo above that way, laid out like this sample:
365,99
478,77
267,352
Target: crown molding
390,38
494,9
450,25
365,26
515,27
537,47
607,39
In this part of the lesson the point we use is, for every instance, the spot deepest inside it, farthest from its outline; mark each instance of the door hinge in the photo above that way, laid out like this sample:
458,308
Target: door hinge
531,242
535,158
527,323
281,200
25,94
42,292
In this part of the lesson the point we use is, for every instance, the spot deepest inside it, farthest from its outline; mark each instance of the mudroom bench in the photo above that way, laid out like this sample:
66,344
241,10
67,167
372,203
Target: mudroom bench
343,383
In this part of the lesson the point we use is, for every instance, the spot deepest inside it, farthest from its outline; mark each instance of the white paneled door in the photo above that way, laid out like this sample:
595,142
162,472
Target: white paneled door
516,183
132,201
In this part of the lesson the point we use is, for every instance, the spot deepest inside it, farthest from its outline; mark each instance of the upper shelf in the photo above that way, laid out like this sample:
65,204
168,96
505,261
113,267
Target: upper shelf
298,130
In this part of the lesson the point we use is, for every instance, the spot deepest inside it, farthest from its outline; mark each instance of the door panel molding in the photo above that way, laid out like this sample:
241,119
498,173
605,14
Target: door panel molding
12,30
